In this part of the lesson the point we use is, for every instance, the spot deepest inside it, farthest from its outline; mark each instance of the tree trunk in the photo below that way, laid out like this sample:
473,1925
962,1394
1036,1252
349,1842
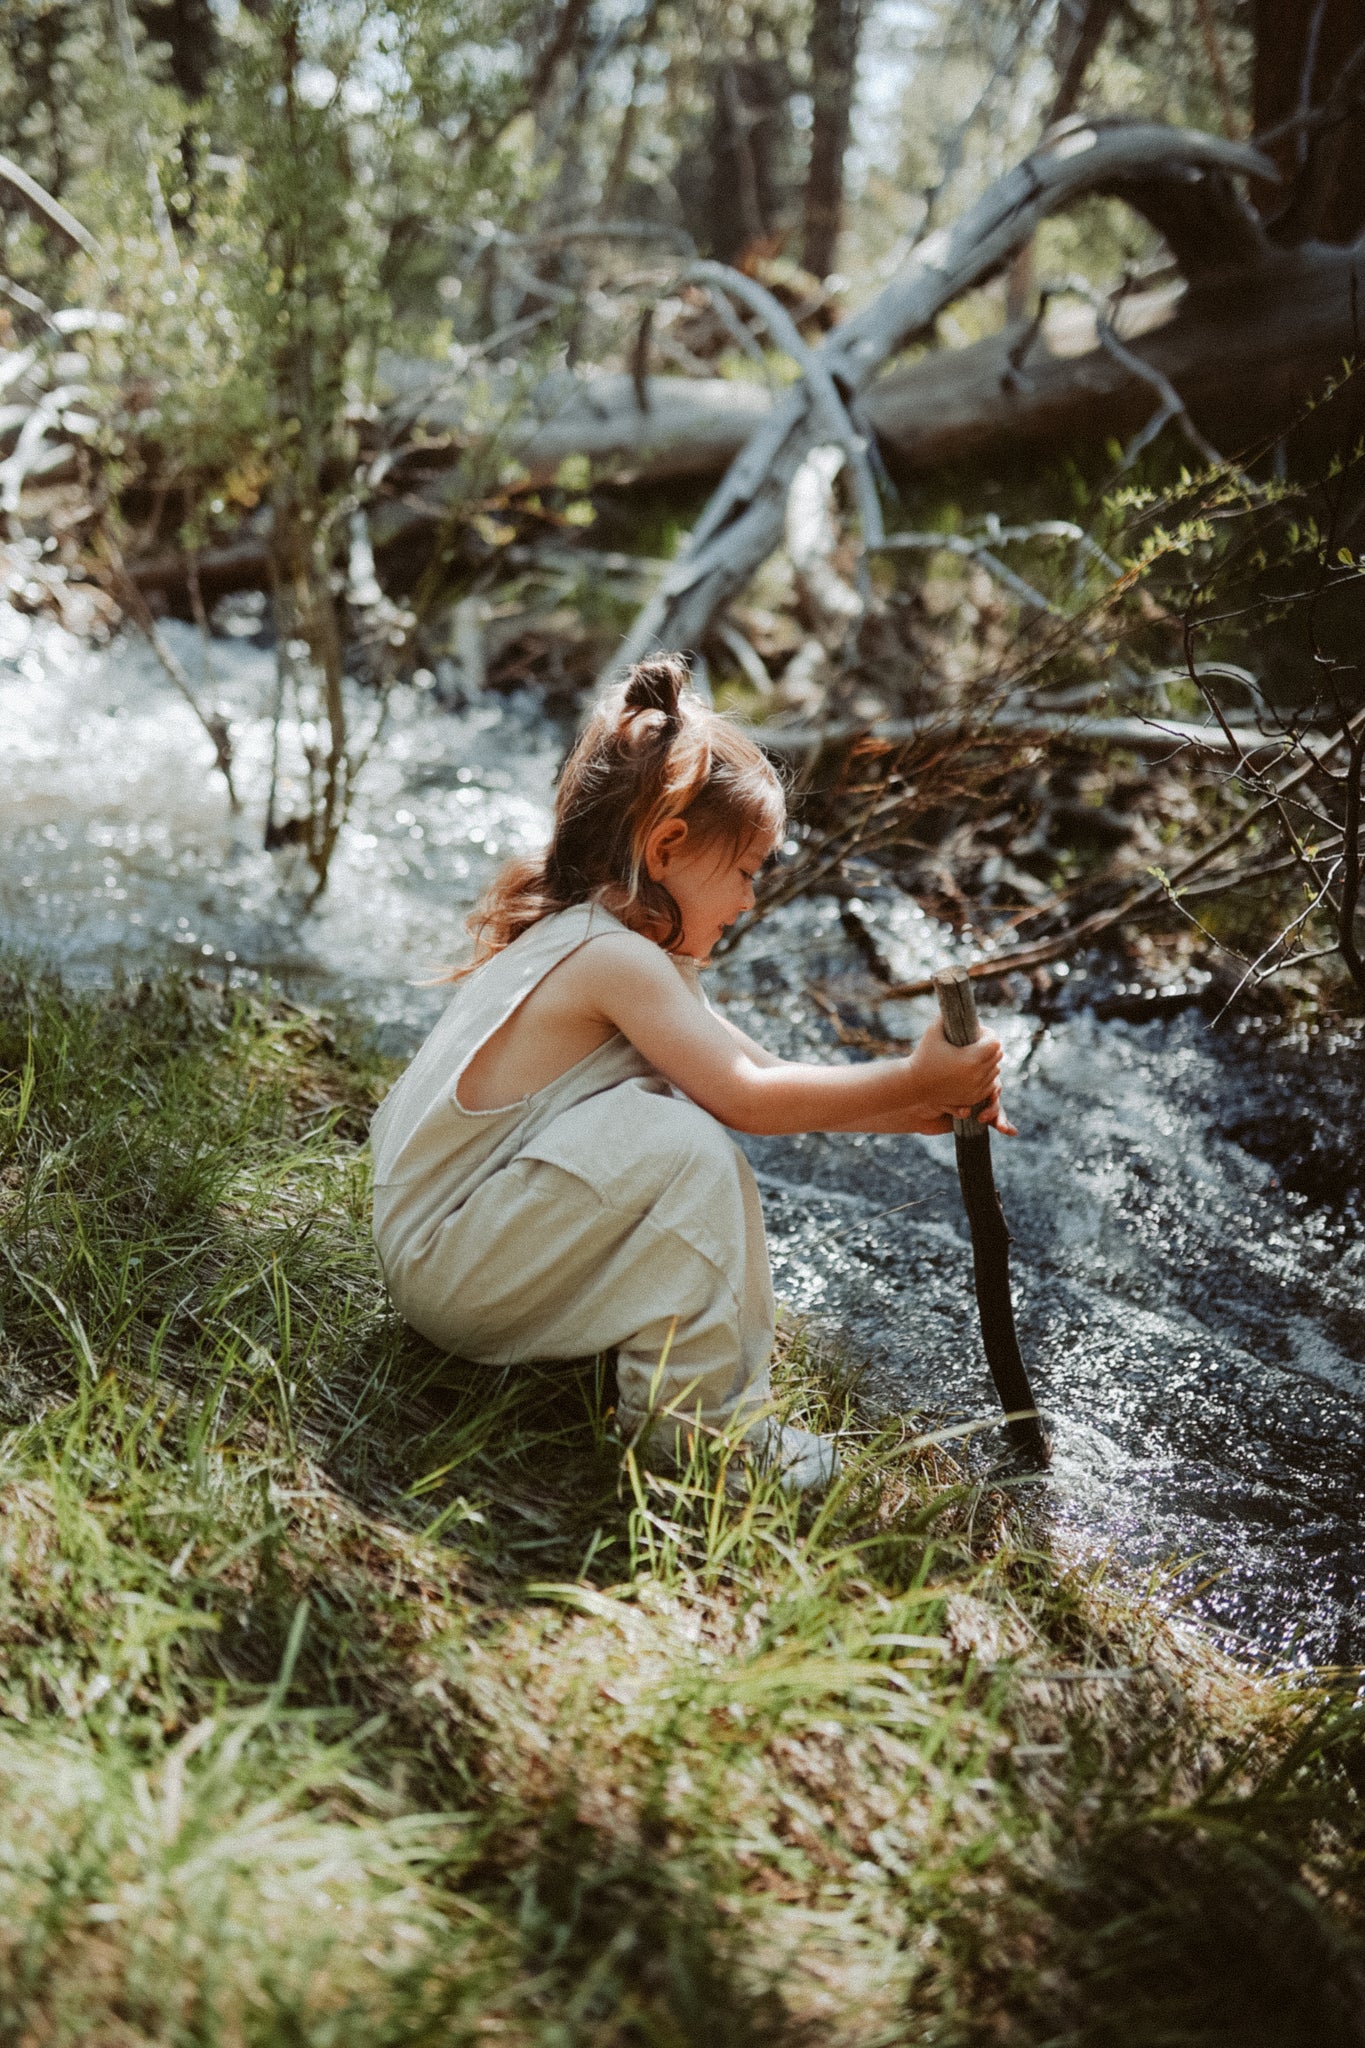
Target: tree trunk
1084,47
748,187
34,49
1080,56
558,44
737,212
189,29
1302,49
835,32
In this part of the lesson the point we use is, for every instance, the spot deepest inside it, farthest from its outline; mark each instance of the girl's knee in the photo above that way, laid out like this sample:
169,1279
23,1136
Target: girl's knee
663,1145
695,1145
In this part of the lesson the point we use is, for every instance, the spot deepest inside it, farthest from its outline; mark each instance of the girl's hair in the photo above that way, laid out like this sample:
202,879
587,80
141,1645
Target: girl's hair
651,751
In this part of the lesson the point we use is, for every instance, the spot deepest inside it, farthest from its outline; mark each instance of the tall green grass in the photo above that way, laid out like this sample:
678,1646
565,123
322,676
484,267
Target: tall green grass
351,1695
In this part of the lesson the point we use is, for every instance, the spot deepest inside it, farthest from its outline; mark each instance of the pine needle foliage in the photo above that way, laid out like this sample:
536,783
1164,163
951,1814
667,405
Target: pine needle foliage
348,1694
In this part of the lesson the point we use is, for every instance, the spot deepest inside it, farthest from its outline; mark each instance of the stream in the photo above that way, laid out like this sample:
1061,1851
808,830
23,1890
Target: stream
1186,1201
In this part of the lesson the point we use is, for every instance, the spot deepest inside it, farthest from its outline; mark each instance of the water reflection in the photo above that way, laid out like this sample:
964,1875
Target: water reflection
117,841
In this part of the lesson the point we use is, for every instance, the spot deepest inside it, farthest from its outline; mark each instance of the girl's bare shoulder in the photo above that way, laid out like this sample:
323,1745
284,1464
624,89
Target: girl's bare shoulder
618,950
622,967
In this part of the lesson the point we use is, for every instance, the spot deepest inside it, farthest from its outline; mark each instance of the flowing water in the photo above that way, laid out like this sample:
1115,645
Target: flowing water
1186,1202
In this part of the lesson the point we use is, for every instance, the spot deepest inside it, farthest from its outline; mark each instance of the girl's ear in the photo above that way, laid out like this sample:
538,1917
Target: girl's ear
663,845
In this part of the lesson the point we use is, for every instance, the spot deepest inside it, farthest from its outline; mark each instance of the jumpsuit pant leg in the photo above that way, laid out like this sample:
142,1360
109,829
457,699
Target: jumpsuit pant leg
630,1222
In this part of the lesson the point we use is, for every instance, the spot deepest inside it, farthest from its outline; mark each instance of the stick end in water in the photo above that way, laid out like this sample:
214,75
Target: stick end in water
1030,1445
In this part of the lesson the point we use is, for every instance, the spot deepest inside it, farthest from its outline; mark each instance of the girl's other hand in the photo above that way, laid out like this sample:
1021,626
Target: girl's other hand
991,1112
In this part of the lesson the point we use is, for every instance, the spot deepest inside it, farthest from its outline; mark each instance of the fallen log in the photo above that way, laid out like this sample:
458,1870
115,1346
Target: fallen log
631,426
1244,349
689,428
1245,344
241,565
1245,352
1156,735
686,428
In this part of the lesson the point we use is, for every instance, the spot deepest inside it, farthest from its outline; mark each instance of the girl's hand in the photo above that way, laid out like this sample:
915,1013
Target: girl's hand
951,1079
993,1113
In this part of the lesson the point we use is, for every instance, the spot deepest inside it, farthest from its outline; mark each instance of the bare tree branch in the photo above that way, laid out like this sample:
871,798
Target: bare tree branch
50,209
1139,901
743,524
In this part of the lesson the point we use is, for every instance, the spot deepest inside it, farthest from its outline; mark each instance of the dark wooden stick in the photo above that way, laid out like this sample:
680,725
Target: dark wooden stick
990,1237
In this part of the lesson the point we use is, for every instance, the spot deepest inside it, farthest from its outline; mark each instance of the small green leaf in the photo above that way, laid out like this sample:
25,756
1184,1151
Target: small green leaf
574,473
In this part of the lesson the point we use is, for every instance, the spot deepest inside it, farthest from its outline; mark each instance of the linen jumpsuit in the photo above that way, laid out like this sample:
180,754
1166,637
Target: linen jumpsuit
605,1211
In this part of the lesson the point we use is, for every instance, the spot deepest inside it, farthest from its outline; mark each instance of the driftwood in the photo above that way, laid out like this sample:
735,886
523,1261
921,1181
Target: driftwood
742,524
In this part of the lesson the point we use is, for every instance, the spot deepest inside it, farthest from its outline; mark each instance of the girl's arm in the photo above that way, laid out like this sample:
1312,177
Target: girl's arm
631,985
759,1054
902,1122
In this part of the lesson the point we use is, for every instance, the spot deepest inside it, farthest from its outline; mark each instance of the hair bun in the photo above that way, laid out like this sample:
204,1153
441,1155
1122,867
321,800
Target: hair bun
657,684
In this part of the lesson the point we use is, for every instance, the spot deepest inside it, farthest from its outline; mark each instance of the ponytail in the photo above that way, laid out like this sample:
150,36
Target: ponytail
651,751
657,685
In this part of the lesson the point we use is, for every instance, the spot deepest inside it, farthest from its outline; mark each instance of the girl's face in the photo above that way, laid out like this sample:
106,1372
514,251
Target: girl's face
711,882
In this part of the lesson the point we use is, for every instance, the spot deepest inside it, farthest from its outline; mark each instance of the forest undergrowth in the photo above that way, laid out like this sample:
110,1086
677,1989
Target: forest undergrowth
347,1696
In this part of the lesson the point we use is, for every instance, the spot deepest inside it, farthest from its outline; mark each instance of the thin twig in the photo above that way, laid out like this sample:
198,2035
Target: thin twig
135,604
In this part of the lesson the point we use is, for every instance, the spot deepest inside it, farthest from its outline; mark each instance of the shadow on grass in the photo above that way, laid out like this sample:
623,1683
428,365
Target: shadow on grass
1187,1931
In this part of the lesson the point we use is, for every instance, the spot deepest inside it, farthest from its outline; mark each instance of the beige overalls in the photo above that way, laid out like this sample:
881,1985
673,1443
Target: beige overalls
606,1211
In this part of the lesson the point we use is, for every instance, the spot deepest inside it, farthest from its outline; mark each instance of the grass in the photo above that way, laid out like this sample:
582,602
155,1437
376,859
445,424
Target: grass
351,1696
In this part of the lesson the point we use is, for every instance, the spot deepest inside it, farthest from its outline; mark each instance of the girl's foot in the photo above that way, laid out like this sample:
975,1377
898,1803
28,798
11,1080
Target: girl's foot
804,1463
799,1460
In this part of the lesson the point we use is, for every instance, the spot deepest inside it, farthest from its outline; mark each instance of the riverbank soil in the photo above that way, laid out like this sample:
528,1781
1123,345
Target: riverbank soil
350,1695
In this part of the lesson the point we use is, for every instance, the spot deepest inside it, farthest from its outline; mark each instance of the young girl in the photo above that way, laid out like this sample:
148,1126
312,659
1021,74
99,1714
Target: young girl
553,1173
